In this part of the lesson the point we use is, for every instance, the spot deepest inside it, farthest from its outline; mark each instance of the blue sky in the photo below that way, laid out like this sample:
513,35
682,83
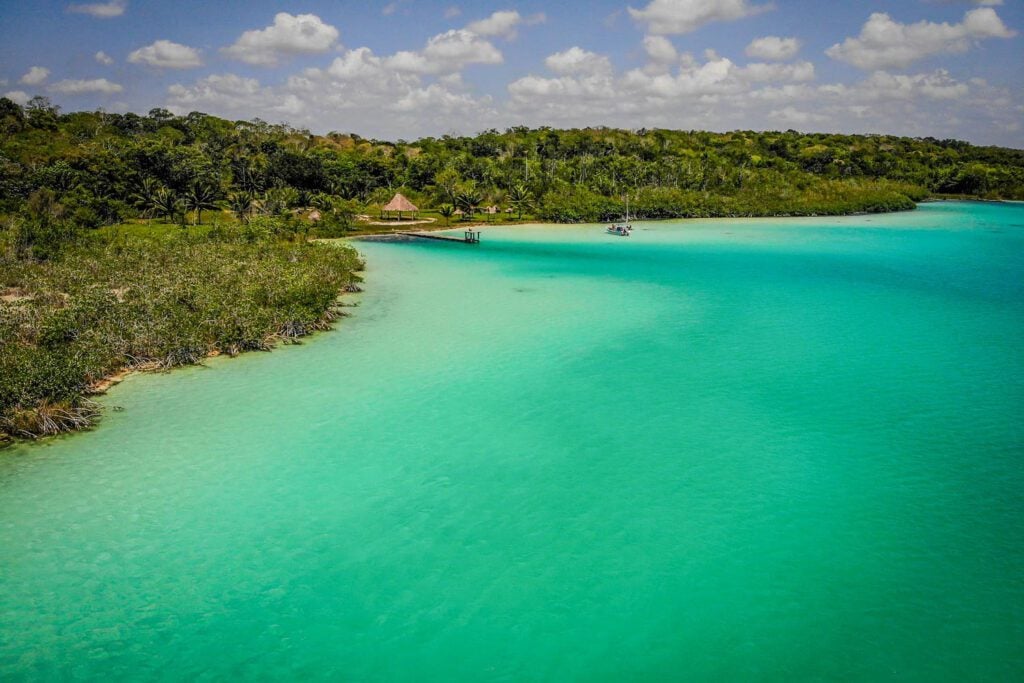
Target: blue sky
403,69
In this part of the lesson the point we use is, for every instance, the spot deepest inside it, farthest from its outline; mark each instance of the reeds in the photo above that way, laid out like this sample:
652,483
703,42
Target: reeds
102,309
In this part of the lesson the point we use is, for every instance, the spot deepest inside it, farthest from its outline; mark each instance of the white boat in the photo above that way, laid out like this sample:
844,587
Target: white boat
624,228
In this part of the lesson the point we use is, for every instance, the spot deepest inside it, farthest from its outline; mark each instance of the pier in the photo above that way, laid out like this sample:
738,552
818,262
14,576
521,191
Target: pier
470,236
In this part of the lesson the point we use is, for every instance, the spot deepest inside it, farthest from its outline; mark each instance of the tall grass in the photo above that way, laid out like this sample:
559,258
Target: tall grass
108,305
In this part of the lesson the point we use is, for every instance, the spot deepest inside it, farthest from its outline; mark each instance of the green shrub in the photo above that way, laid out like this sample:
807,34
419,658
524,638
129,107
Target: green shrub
103,306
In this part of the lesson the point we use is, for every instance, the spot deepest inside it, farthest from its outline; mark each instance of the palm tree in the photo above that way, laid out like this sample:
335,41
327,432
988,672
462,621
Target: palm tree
322,202
241,205
145,197
338,188
520,198
166,203
275,202
303,198
446,210
200,195
468,200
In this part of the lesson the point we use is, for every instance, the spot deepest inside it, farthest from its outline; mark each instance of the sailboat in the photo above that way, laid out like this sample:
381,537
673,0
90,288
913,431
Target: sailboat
624,228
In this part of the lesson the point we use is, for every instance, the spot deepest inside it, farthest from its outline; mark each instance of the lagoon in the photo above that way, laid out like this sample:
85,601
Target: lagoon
781,449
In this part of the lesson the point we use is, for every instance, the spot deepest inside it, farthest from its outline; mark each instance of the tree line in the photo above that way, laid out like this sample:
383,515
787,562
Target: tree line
103,168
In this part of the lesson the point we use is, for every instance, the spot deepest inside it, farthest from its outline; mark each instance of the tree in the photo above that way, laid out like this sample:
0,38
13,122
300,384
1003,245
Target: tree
44,230
41,113
468,200
322,202
168,204
160,116
241,205
278,200
446,210
520,199
446,182
12,118
144,197
200,195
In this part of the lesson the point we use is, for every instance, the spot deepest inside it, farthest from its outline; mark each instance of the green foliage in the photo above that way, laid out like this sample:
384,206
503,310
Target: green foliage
241,204
520,198
200,195
108,304
446,211
103,166
825,197
336,215
169,205
468,199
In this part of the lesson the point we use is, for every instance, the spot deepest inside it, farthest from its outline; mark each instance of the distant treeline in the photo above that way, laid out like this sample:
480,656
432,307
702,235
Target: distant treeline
103,168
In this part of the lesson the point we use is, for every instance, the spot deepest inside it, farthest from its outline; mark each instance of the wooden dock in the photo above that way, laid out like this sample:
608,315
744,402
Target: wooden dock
470,236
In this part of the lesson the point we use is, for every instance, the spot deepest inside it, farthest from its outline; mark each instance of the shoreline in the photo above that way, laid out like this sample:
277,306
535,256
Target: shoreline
105,384
88,415
528,223
325,324
398,231
536,222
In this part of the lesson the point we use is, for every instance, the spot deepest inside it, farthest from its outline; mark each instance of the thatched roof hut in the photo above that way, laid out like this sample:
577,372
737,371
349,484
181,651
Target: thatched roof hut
399,204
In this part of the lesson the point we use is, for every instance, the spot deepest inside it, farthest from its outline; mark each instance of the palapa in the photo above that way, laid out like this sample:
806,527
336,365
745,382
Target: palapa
399,204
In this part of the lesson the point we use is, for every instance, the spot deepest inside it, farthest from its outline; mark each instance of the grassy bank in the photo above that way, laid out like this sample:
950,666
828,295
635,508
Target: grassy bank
118,302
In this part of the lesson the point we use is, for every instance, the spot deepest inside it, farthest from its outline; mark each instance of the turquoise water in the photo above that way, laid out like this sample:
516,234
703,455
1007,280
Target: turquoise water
720,450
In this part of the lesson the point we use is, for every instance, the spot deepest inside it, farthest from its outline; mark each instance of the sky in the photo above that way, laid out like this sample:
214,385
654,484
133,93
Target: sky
403,69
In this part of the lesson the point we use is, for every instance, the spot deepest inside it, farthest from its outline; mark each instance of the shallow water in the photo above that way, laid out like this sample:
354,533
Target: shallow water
718,450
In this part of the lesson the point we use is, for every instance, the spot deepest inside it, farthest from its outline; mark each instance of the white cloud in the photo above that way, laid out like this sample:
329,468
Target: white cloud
232,95
103,58
19,96
792,116
938,85
167,55
718,94
35,75
447,52
759,72
660,49
288,35
452,12
641,92
504,24
885,43
576,60
100,10
421,92
666,17
83,86
773,48
359,91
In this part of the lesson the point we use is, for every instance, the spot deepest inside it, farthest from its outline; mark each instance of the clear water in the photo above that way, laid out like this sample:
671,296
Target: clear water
721,450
